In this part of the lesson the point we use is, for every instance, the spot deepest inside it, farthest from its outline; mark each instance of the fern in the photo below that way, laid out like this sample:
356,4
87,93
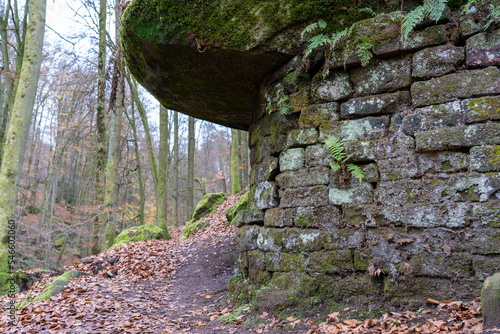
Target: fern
411,20
493,17
356,171
363,50
433,9
312,27
336,150
368,10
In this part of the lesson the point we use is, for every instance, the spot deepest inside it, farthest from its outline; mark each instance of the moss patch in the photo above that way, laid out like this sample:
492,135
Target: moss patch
235,211
206,206
140,233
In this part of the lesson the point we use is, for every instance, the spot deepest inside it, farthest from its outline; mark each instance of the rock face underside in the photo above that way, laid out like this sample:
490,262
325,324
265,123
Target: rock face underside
209,59
422,120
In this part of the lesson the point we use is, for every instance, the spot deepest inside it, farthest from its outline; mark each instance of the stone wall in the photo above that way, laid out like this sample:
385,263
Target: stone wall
422,119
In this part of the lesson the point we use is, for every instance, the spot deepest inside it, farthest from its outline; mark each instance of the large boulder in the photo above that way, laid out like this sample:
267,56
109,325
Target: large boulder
140,233
207,205
235,213
51,289
207,59
490,302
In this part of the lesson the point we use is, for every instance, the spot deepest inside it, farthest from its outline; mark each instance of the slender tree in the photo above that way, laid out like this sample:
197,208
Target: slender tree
18,129
161,210
190,169
175,172
235,179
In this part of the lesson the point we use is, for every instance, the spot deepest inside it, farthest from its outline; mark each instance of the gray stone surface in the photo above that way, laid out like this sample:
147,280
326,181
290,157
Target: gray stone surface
304,196
357,193
457,85
358,129
398,168
336,88
458,137
484,49
264,171
317,155
437,61
485,158
374,105
433,117
292,159
382,76
304,177
319,115
266,195
302,137
438,162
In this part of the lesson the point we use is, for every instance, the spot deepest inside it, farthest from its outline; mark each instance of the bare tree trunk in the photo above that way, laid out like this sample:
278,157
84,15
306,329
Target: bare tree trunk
101,127
175,183
190,169
161,205
235,180
17,134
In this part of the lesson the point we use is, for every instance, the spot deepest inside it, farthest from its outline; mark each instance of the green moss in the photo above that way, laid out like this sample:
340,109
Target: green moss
52,288
241,205
236,23
139,233
207,205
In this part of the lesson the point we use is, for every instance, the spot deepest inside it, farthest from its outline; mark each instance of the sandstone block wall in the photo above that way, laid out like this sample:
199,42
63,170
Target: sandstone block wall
422,119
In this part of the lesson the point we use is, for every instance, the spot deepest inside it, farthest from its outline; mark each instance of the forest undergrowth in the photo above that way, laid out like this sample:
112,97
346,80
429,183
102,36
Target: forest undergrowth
173,286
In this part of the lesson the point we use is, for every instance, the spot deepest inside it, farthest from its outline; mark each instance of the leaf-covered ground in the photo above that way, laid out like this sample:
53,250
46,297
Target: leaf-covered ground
174,286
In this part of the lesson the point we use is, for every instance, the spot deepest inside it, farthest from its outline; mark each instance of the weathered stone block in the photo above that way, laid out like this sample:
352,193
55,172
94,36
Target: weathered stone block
317,155
313,217
382,76
367,128
348,287
302,240
458,137
405,191
486,241
346,238
302,137
266,195
263,151
264,171
304,196
433,117
251,218
259,277
294,262
484,49
319,115
398,168
438,264
391,147
336,88
442,162
361,260
456,85
469,25
486,214
485,158
374,105
305,177
490,302
280,124
371,172
357,193
429,215
292,159
417,39
472,187
330,262
269,239
485,266
482,109
248,237
437,61
363,215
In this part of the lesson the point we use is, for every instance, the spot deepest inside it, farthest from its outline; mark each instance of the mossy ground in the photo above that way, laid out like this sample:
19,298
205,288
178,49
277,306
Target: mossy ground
207,205
140,233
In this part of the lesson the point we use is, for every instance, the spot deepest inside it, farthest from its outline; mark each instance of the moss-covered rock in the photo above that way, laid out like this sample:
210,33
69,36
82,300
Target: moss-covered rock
52,288
207,205
490,301
140,233
233,212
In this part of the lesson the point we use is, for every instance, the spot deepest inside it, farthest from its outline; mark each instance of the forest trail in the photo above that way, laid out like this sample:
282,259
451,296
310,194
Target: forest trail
174,286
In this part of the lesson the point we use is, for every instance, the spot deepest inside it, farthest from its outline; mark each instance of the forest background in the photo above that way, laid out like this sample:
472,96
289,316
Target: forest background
101,154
